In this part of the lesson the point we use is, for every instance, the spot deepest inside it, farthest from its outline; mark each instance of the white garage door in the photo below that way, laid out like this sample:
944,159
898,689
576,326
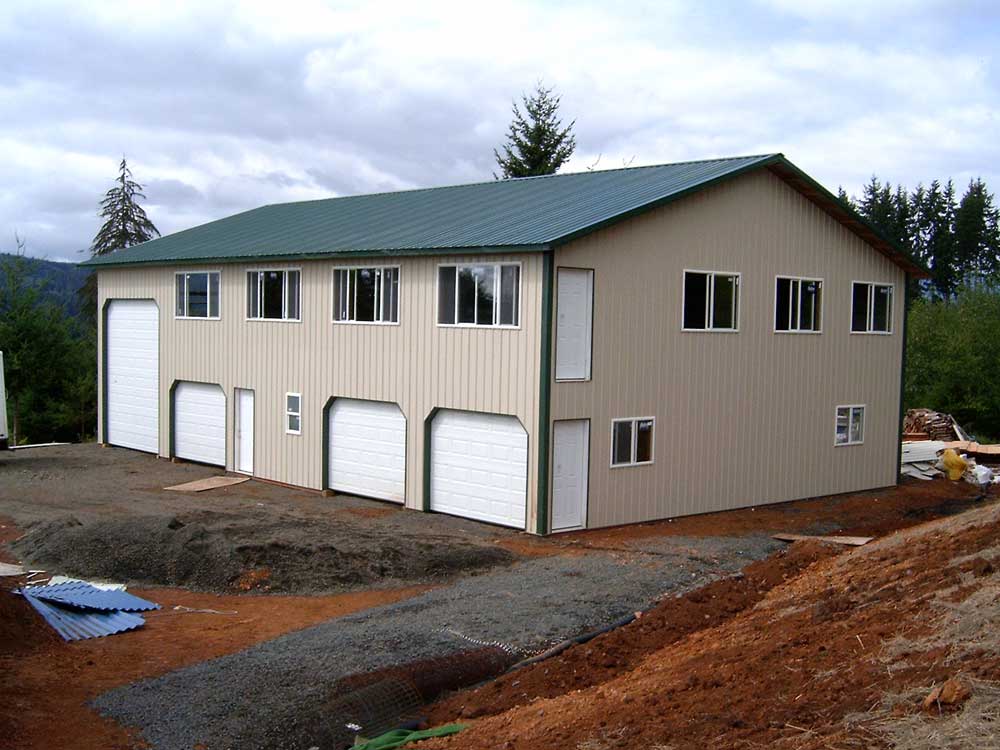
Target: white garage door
200,423
479,467
367,449
132,349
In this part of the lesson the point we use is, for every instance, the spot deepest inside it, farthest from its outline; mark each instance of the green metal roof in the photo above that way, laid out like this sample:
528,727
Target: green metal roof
529,214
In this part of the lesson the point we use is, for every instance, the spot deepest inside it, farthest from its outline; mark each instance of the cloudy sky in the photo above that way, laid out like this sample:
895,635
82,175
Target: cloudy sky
223,106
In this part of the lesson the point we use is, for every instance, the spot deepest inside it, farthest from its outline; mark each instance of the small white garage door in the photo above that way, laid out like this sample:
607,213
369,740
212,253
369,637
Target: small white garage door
200,423
367,449
479,467
132,351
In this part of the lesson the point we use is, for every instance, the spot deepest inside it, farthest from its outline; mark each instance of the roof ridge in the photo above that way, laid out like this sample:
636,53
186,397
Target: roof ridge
526,179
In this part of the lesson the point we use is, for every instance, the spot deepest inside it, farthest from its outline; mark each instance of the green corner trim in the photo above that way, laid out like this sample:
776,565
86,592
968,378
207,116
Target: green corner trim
324,481
902,378
427,460
544,397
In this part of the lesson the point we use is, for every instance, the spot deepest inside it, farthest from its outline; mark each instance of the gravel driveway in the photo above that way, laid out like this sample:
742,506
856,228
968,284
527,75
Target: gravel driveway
268,695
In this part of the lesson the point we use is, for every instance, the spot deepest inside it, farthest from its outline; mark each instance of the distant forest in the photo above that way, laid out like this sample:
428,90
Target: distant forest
59,282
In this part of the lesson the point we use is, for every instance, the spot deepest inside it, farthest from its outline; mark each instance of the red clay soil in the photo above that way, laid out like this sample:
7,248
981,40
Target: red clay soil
786,672
46,682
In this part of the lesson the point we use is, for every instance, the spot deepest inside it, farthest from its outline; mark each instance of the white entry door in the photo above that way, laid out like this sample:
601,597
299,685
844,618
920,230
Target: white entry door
574,323
243,443
200,423
132,353
479,467
570,459
367,451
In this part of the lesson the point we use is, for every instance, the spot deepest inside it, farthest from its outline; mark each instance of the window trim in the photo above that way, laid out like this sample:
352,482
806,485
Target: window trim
635,442
850,413
284,300
496,264
710,298
186,306
871,309
333,298
822,316
288,413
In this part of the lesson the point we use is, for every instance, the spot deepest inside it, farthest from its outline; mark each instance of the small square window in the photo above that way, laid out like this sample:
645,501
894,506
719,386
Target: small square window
293,413
850,425
798,305
871,307
632,441
197,295
711,301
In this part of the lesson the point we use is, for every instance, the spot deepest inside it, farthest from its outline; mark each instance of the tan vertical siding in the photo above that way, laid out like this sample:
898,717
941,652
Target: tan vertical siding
741,418
415,364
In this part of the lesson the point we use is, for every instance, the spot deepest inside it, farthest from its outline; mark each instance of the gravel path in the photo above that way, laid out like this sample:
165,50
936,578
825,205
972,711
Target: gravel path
267,695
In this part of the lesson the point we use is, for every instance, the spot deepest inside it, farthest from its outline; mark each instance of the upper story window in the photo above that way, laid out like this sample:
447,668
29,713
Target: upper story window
871,307
479,295
798,305
273,294
197,294
711,301
366,295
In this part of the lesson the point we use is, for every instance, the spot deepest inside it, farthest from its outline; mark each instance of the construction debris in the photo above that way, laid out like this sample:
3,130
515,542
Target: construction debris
926,424
850,541
951,692
6,569
928,459
209,483
78,610
920,458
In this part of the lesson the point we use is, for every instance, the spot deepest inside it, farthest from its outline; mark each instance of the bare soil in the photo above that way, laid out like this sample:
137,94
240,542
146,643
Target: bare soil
810,649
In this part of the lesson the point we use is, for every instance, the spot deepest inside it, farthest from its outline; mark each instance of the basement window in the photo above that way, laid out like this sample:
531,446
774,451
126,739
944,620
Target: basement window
366,295
293,413
850,426
197,295
632,441
871,307
711,301
479,295
797,305
273,294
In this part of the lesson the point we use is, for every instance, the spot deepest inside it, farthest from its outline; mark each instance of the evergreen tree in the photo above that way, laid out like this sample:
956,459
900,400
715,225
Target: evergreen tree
125,224
977,234
537,143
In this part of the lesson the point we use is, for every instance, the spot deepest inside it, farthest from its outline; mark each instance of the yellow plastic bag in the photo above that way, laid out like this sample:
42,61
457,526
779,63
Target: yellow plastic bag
954,464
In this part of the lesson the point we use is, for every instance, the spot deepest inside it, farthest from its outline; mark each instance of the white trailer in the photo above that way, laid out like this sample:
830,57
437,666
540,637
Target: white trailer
3,409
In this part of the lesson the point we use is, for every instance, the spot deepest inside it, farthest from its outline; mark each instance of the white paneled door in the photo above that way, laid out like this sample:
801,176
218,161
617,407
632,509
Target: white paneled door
243,440
574,323
570,459
367,452
132,352
200,423
479,467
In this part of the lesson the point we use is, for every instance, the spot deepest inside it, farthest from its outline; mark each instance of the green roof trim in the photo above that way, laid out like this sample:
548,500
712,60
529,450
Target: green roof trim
532,214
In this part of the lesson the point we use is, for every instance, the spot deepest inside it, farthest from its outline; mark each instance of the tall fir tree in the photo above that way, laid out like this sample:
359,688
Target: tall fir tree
537,143
125,224
977,233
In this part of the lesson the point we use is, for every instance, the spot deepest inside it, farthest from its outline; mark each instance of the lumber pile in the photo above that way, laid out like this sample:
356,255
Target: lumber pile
927,424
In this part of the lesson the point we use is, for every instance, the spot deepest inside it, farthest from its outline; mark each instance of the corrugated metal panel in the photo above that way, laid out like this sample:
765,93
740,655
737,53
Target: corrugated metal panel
500,214
82,594
74,625
416,364
742,418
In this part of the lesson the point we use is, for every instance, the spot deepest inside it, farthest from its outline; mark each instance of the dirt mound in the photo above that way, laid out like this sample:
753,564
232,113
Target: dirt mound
820,661
208,552
22,630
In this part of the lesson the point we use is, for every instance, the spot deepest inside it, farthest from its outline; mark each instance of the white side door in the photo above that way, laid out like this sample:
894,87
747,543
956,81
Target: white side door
243,443
200,423
132,354
479,467
367,451
570,460
574,323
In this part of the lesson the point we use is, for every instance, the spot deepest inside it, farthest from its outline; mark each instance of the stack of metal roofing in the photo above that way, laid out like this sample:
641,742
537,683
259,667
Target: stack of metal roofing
79,610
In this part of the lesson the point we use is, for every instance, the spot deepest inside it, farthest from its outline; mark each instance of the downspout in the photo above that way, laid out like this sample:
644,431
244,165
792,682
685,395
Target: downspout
902,379
544,397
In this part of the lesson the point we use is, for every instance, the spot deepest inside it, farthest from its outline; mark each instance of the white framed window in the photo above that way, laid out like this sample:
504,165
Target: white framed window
850,425
632,441
480,295
871,307
293,413
366,295
798,305
711,301
197,294
274,294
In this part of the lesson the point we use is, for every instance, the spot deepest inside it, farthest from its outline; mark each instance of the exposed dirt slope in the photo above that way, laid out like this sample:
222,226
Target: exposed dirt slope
839,656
